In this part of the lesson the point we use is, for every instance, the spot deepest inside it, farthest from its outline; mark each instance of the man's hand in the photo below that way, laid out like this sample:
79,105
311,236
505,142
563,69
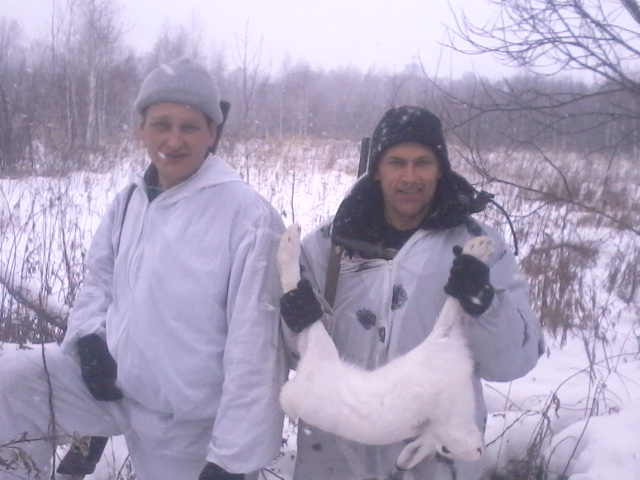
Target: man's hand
99,369
469,283
300,307
211,471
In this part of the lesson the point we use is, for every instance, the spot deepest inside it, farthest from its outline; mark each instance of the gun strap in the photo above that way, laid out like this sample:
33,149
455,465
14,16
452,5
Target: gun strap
224,107
333,268
333,271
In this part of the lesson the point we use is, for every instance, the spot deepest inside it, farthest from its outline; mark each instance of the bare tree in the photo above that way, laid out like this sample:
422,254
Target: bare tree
295,92
599,41
178,41
78,65
252,76
553,36
250,79
99,37
401,86
14,126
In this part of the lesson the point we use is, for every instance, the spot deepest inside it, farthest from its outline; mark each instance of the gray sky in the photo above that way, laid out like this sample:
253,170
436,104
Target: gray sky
327,33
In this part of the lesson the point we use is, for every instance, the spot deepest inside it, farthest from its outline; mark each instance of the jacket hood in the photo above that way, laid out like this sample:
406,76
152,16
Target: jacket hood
360,215
213,171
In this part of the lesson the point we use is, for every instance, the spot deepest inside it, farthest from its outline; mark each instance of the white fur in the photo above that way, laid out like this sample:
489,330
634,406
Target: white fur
288,258
425,396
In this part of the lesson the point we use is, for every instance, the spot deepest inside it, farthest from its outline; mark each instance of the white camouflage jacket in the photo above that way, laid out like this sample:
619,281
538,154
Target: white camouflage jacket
186,296
384,308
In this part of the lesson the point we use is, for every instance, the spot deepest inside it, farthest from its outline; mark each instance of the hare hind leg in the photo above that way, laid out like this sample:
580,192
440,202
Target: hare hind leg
288,258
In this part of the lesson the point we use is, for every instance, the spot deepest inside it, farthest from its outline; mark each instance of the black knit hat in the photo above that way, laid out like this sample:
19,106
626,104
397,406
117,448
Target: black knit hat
408,124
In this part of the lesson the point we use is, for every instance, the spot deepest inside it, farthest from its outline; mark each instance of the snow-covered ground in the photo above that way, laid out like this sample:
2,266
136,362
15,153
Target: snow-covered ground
580,407
584,412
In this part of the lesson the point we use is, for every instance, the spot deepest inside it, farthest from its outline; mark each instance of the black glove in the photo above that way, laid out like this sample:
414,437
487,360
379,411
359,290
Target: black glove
99,369
300,307
469,283
211,471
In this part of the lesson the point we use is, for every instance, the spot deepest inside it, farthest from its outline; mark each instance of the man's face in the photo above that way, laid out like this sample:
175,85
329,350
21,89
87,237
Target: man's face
408,174
177,138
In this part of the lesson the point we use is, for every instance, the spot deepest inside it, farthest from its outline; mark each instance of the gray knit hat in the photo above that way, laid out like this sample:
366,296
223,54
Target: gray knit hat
408,124
181,81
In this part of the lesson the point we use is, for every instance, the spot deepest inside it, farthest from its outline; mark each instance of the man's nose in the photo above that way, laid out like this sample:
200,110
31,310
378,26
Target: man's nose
174,138
410,174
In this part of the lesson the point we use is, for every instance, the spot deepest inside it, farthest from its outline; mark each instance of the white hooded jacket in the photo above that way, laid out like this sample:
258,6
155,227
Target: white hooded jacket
185,291
384,308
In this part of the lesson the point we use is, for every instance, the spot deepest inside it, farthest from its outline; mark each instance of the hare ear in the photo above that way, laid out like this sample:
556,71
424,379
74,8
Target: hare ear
416,451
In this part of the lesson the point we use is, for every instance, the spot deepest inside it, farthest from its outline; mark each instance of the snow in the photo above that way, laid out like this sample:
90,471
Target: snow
579,407
602,447
587,416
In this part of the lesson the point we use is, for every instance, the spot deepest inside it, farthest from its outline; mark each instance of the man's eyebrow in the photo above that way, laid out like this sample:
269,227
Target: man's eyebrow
421,157
158,117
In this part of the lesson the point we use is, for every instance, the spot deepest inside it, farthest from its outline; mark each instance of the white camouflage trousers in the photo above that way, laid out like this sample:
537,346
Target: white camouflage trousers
160,447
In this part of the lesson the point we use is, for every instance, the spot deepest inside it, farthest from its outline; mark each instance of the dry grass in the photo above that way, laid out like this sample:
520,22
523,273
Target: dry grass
581,264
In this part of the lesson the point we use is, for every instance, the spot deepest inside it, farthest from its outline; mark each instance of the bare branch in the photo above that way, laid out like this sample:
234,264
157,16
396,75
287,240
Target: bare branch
55,317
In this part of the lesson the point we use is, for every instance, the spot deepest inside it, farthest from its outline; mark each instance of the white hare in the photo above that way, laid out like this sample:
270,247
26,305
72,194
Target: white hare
425,397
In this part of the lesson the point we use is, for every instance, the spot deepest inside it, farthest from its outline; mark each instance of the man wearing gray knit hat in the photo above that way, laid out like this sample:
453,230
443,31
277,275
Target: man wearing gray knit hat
174,339
183,91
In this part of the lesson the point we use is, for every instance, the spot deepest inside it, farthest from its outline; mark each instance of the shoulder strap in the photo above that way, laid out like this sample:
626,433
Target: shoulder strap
333,271
132,188
224,107
333,268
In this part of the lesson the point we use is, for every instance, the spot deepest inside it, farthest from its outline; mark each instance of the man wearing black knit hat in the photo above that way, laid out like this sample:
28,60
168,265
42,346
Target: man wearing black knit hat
398,230
174,339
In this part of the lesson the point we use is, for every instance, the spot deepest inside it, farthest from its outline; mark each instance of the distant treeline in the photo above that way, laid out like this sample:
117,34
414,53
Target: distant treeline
69,97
